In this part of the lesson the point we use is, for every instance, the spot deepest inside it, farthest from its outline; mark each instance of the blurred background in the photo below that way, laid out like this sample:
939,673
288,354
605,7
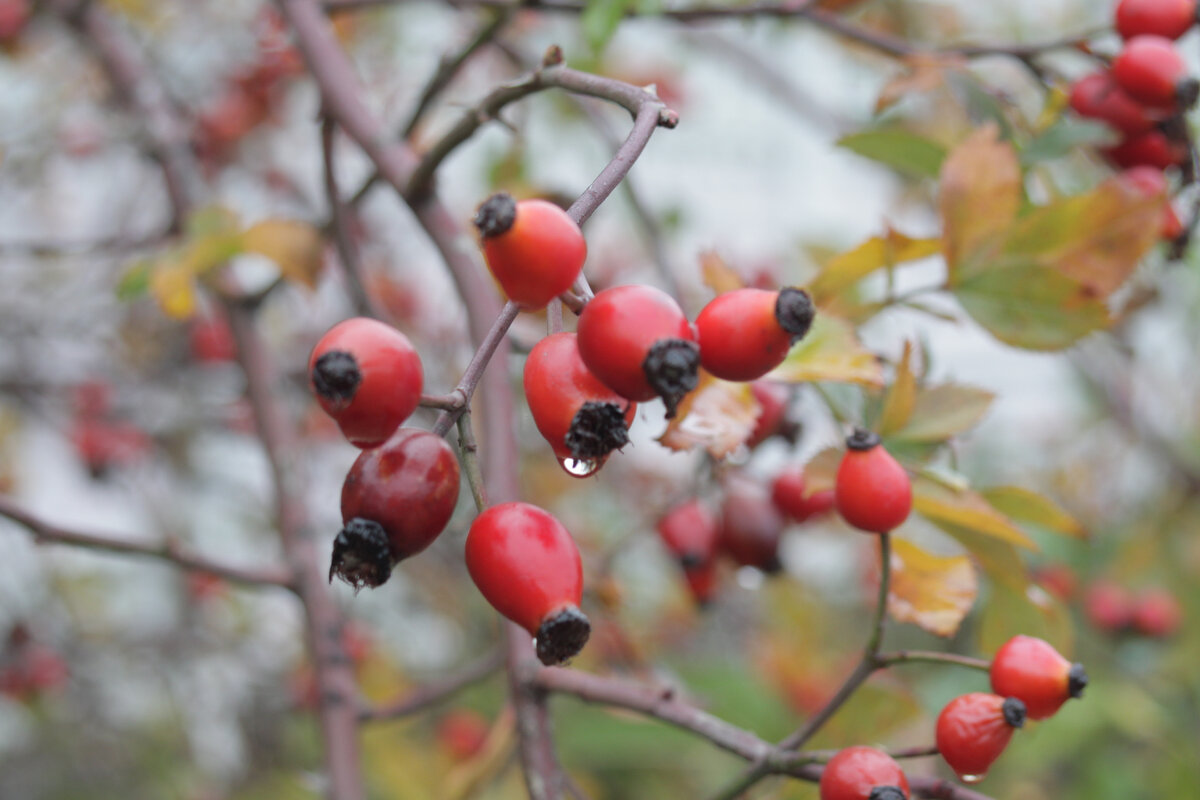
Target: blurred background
122,410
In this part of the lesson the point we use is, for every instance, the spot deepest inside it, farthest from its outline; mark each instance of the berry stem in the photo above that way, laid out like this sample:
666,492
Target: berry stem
474,371
918,656
470,461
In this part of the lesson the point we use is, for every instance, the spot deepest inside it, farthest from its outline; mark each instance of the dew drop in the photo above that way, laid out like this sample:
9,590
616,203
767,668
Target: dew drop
971,778
580,467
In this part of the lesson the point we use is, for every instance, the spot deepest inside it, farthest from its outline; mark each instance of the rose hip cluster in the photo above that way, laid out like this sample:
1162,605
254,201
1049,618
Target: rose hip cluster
1029,679
1144,95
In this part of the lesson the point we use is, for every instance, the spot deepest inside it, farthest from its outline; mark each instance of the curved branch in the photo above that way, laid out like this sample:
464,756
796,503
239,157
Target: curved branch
439,691
169,551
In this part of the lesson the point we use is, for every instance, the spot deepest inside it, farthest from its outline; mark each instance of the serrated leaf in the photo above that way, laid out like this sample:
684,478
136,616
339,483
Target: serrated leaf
967,509
718,416
1027,506
830,352
980,196
1031,306
931,591
942,411
296,247
1097,239
901,396
717,274
878,252
905,152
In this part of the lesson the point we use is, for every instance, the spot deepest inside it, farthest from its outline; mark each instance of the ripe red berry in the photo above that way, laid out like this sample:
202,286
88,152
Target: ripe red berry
581,418
974,729
1151,70
527,566
14,16
462,733
396,499
690,532
533,248
1157,613
1032,671
746,333
863,773
702,582
637,341
1150,182
751,526
1057,579
872,491
1108,606
1168,18
368,377
211,340
787,493
1151,149
1097,96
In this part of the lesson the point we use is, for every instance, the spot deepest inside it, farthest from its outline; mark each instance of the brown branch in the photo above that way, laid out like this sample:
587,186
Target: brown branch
363,302
169,551
118,245
435,692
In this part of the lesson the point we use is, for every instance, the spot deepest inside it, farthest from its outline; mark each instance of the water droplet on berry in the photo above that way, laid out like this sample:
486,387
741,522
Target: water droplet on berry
971,778
580,467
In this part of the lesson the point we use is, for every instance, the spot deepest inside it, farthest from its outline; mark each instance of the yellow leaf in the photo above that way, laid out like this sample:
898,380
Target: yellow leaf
1026,506
901,396
877,252
967,509
174,289
821,470
830,352
980,196
933,592
295,246
939,412
718,416
717,274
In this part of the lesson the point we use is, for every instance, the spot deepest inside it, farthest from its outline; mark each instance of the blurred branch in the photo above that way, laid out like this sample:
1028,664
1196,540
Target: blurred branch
914,656
435,692
110,245
340,226
474,371
169,551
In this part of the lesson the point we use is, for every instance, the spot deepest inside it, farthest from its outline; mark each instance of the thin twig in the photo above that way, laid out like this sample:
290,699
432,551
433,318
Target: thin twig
915,656
470,460
435,692
362,301
169,551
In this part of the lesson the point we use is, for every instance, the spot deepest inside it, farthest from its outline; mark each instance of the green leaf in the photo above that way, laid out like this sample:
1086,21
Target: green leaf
1026,506
981,105
830,352
600,20
1008,612
1064,137
904,152
1031,306
966,509
942,411
135,281
876,253
210,221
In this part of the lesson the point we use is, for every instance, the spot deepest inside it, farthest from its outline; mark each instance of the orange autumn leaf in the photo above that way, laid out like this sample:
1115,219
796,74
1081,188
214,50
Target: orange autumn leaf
718,416
933,592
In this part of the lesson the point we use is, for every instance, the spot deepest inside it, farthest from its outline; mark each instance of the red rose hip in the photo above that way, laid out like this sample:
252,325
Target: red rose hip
872,491
527,567
1097,96
1151,70
1032,671
533,248
368,377
1167,18
396,499
746,333
974,729
638,342
863,773
579,416
751,526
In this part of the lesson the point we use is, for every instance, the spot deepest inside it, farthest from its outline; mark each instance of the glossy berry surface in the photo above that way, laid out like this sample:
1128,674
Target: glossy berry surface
368,377
396,499
1097,96
1157,613
1031,670
638,342
788,495
527,567
533,248
872,491
863,773
1168,18
974,729
746,333
578,415
751,526
1151,71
